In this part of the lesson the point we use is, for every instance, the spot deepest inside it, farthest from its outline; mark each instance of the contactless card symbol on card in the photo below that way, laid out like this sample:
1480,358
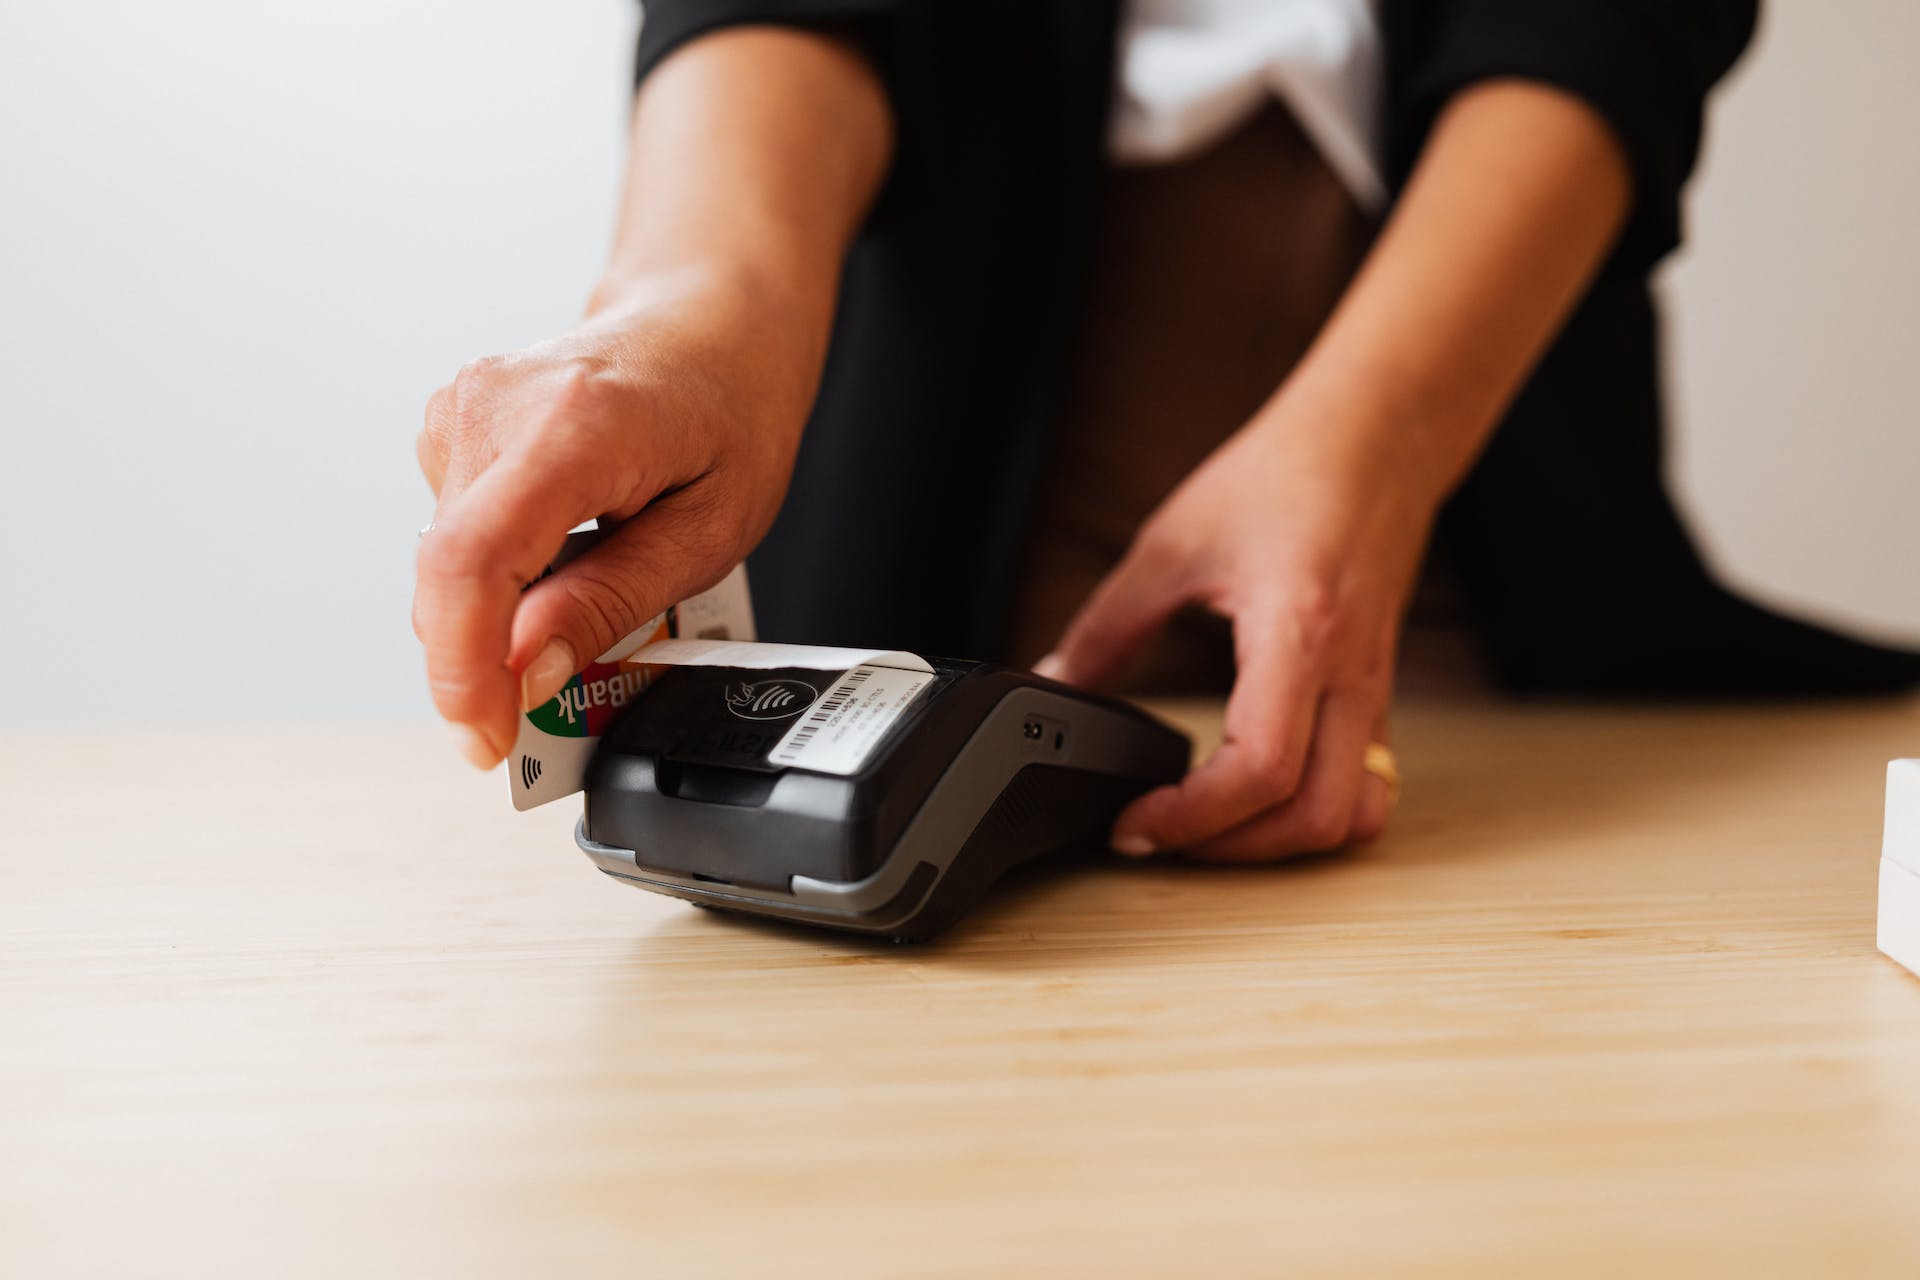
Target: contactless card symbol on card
770,699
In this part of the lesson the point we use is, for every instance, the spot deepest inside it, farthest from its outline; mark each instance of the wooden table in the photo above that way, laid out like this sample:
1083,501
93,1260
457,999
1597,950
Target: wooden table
1605,1001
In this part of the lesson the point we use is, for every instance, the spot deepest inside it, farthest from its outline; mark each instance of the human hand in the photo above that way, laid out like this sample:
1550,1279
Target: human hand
1306,530
1307,527
677,412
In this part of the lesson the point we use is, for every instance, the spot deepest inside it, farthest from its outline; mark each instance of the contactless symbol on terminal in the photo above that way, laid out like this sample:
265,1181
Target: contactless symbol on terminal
770,699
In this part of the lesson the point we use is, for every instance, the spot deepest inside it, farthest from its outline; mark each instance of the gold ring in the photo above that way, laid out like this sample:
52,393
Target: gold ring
1384,765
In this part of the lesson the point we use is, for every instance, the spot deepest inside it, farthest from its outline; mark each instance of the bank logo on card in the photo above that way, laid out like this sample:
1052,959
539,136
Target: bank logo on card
770,699
588,704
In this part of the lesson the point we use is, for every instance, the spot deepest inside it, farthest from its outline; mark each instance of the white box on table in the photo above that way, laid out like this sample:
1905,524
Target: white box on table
1900,866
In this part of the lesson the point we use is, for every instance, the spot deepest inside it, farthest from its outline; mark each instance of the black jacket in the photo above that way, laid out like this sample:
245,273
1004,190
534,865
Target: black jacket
912,493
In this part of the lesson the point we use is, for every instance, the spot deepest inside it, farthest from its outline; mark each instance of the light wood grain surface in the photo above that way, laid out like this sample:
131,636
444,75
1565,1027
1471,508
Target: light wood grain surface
1605,1001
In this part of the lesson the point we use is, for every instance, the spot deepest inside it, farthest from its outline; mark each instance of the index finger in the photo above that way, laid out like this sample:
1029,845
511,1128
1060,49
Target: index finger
483,548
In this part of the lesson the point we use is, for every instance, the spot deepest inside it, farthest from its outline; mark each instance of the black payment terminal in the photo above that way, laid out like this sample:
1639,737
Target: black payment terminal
879,800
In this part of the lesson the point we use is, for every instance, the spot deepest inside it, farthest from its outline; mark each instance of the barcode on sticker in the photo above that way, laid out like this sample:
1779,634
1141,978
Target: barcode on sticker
840,731
823,712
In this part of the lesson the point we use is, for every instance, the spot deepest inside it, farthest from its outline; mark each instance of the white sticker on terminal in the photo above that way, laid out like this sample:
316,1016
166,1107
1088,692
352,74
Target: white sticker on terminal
840,730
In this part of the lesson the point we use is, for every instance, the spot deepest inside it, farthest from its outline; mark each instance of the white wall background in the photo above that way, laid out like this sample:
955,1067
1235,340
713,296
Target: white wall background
1795,329
240,243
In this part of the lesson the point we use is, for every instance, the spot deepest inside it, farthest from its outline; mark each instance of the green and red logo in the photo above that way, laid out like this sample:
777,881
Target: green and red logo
588,703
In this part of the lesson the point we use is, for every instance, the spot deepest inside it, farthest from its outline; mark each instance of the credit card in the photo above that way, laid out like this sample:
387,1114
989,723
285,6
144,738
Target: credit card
557,738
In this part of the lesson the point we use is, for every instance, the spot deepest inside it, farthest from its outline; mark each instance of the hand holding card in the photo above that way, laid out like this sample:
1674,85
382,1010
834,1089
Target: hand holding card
677,411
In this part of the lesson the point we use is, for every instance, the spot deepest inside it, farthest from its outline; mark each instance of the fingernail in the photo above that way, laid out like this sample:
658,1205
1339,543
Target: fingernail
1137,845
475,747
546,675
1051,667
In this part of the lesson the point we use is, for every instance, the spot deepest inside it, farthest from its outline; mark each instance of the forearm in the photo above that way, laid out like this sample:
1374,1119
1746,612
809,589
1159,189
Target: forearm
1514,205
756,151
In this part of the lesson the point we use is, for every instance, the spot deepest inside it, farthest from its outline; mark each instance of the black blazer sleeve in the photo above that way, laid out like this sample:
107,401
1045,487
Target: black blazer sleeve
1644,65
669,24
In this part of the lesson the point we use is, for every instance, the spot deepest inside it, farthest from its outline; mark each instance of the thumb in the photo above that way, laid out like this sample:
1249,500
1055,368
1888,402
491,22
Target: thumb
1128,608
572,616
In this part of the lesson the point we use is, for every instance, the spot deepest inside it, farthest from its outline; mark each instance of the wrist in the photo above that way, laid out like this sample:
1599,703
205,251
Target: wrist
1366,430
765,282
